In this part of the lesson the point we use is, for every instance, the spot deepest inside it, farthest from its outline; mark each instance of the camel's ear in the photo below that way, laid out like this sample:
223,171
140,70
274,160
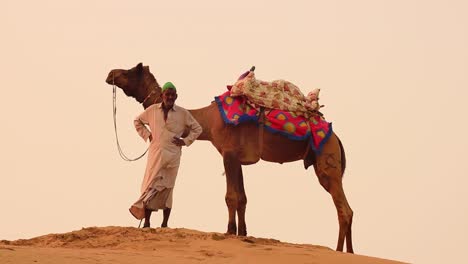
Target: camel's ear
139,67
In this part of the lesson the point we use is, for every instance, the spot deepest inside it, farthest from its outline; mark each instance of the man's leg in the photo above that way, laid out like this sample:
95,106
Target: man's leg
147,217
166,214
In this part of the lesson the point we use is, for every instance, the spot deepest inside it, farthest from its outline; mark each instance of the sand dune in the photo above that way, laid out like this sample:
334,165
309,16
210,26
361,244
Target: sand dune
133,245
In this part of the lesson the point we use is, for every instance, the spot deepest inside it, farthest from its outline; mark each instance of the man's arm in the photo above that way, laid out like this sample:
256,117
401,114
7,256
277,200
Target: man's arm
195,129
140,123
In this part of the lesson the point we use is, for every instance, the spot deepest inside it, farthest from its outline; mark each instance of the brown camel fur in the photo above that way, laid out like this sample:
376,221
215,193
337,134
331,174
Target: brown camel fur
243,145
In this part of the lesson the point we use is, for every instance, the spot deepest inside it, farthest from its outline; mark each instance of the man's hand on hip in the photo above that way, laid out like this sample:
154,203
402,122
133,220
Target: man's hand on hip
178,141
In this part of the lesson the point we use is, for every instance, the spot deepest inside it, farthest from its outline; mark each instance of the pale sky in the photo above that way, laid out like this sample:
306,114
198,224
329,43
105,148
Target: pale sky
393,77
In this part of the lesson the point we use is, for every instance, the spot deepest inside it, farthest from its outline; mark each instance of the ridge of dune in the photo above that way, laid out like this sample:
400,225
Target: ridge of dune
113,237
178,245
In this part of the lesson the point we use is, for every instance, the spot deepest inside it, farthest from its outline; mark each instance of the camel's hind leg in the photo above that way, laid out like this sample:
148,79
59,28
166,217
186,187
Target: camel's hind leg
329,170
236,199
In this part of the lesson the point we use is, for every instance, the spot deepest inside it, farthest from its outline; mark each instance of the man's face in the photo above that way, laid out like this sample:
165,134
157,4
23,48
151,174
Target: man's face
169,96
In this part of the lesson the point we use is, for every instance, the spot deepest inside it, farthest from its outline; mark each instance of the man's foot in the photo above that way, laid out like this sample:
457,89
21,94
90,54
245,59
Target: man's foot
147,218
166,214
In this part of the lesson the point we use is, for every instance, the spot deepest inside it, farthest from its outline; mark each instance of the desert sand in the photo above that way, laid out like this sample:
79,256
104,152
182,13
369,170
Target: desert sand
165,245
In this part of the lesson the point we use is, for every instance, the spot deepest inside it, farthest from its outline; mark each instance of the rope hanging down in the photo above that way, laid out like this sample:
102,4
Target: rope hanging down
122,155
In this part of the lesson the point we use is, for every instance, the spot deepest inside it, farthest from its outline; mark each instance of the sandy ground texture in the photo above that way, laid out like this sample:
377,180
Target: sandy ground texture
165,245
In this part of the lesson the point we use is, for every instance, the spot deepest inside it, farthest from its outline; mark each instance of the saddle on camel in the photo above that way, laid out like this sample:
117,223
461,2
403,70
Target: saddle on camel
278,106
278,94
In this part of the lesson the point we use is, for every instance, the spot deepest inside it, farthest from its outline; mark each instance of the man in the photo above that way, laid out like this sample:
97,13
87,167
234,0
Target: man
167,122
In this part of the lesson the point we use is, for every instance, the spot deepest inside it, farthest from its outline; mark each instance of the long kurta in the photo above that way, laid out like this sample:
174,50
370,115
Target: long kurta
163,155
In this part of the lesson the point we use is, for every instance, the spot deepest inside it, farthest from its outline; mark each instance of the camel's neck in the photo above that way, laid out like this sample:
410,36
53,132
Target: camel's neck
150,93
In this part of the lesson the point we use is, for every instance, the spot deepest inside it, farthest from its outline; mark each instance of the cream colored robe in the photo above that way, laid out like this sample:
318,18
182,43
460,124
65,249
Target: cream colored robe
163,155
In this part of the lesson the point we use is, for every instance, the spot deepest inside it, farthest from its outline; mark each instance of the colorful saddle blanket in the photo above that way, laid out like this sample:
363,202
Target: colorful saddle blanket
236,110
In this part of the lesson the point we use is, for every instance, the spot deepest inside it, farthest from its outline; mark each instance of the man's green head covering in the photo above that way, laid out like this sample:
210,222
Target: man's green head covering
168,85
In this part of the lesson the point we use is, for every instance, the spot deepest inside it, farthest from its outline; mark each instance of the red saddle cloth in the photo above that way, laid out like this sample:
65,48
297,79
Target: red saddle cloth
236,110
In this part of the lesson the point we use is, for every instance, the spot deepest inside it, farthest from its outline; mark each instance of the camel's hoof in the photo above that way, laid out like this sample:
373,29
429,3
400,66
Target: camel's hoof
232,229
242,230
230,232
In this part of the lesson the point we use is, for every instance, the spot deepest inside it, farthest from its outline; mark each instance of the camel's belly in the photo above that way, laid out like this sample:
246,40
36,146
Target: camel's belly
251,147
279,149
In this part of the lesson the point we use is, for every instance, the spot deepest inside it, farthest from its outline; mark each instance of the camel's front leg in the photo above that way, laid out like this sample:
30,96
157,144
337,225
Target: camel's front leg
241,205
235,196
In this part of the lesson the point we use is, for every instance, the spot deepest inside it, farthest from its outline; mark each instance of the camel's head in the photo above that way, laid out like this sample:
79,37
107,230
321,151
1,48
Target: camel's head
137,82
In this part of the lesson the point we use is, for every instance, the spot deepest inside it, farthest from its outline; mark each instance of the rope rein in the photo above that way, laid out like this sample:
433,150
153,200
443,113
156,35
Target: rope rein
114,100
114,111
148,97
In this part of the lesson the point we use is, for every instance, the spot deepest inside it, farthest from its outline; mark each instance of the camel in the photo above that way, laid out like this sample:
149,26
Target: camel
246,144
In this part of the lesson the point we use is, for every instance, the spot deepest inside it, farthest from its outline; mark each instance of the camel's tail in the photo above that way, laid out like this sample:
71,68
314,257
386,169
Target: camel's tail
343,158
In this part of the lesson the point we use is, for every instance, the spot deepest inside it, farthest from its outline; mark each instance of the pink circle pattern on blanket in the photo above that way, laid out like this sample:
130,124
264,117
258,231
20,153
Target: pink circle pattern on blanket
278,94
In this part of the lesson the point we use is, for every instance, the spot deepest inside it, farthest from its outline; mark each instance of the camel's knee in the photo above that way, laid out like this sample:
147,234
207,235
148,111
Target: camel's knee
242,200
231,201
349,216
345,216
